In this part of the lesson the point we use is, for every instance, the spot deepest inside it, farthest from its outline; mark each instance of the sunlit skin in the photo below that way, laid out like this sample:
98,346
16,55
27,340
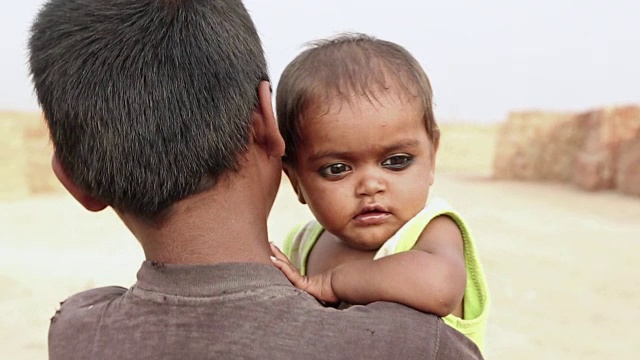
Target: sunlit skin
364,167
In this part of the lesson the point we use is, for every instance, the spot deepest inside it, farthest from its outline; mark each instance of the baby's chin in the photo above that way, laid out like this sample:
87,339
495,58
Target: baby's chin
366,243
363,247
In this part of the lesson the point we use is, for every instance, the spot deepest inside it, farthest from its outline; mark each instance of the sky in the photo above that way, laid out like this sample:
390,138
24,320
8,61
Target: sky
484,58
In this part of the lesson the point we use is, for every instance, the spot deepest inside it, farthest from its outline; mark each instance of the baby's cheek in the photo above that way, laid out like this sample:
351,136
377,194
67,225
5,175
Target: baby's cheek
332,216
410,201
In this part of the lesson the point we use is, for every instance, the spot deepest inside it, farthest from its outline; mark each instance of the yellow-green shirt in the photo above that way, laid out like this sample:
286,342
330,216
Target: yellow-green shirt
298,245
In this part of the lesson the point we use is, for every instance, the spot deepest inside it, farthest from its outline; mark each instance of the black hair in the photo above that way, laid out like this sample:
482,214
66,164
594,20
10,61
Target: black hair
147,101
342,66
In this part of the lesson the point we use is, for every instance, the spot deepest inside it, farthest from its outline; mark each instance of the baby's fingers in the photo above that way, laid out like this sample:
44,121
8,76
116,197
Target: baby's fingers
279,254
291,273
282,263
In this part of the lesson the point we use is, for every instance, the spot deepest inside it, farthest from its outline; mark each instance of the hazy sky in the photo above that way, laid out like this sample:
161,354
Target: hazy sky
484,58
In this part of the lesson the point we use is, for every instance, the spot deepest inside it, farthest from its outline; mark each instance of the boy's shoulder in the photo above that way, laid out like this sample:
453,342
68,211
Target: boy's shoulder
71,308
381,330
91,297
76,319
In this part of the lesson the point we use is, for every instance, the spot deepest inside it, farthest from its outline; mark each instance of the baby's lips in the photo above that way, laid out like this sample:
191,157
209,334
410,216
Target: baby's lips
372,217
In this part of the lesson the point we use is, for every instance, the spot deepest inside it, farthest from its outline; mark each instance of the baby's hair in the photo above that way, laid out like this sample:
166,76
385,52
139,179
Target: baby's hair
148,101
344,68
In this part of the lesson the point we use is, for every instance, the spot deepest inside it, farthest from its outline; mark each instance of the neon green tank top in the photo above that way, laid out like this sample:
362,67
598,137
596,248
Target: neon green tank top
300,242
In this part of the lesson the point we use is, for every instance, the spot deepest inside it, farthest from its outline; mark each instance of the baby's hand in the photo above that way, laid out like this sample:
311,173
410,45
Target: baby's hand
319,286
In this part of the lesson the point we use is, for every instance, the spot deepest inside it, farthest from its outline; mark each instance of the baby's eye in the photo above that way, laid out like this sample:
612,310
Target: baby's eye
334,170
398,162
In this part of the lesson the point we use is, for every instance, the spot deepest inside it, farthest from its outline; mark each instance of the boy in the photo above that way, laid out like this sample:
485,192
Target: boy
361,141
161,110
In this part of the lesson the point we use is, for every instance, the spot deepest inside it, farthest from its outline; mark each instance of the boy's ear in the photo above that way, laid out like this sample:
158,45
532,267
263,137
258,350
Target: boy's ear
265,127
293,179
86,200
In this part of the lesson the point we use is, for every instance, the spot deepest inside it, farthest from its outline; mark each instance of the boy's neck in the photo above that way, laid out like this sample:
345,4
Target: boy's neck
214,226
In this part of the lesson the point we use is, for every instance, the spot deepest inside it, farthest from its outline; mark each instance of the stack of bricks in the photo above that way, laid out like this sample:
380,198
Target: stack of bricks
595,150
25,156
538,146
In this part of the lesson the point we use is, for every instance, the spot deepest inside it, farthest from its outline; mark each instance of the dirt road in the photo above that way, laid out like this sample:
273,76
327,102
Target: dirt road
561,265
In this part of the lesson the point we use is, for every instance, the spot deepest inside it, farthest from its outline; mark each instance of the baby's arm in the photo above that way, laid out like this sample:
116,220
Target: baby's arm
431,277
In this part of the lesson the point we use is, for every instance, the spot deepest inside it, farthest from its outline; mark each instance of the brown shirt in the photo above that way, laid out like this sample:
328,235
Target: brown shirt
239,310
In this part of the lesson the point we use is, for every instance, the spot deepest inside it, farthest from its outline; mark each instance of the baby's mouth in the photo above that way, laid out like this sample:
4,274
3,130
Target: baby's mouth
372,216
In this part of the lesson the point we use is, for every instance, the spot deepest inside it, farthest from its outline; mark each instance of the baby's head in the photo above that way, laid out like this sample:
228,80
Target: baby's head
357,118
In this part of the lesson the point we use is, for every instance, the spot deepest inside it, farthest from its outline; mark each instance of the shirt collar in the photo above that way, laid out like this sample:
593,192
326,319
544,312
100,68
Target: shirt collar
206,280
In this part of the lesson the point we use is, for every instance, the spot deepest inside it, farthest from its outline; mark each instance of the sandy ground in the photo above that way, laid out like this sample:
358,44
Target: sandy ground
561,263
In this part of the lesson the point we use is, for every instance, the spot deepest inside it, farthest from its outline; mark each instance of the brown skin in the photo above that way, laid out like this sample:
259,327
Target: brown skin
364,169
431,277
241,203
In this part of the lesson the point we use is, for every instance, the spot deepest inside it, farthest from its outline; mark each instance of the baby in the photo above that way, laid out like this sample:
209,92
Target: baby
361,140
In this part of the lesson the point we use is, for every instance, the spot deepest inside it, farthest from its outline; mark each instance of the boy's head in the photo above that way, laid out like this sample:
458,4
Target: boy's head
147,101
357,119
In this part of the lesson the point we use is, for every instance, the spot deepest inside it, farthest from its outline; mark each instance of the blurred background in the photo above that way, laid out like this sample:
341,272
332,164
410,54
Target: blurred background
540,115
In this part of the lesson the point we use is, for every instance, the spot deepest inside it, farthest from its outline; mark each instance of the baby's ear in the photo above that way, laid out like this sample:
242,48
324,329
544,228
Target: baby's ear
434,160
434,151
293,179
435,140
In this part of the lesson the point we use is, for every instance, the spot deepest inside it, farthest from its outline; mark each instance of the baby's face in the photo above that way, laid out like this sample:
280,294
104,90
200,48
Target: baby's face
365,168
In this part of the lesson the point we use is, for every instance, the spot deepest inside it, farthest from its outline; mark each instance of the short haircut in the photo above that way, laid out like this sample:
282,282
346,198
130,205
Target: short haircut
340,68
147,101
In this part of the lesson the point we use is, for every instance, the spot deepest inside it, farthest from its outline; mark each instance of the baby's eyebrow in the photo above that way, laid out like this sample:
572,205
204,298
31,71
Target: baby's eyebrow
327,154
377,148
400,145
